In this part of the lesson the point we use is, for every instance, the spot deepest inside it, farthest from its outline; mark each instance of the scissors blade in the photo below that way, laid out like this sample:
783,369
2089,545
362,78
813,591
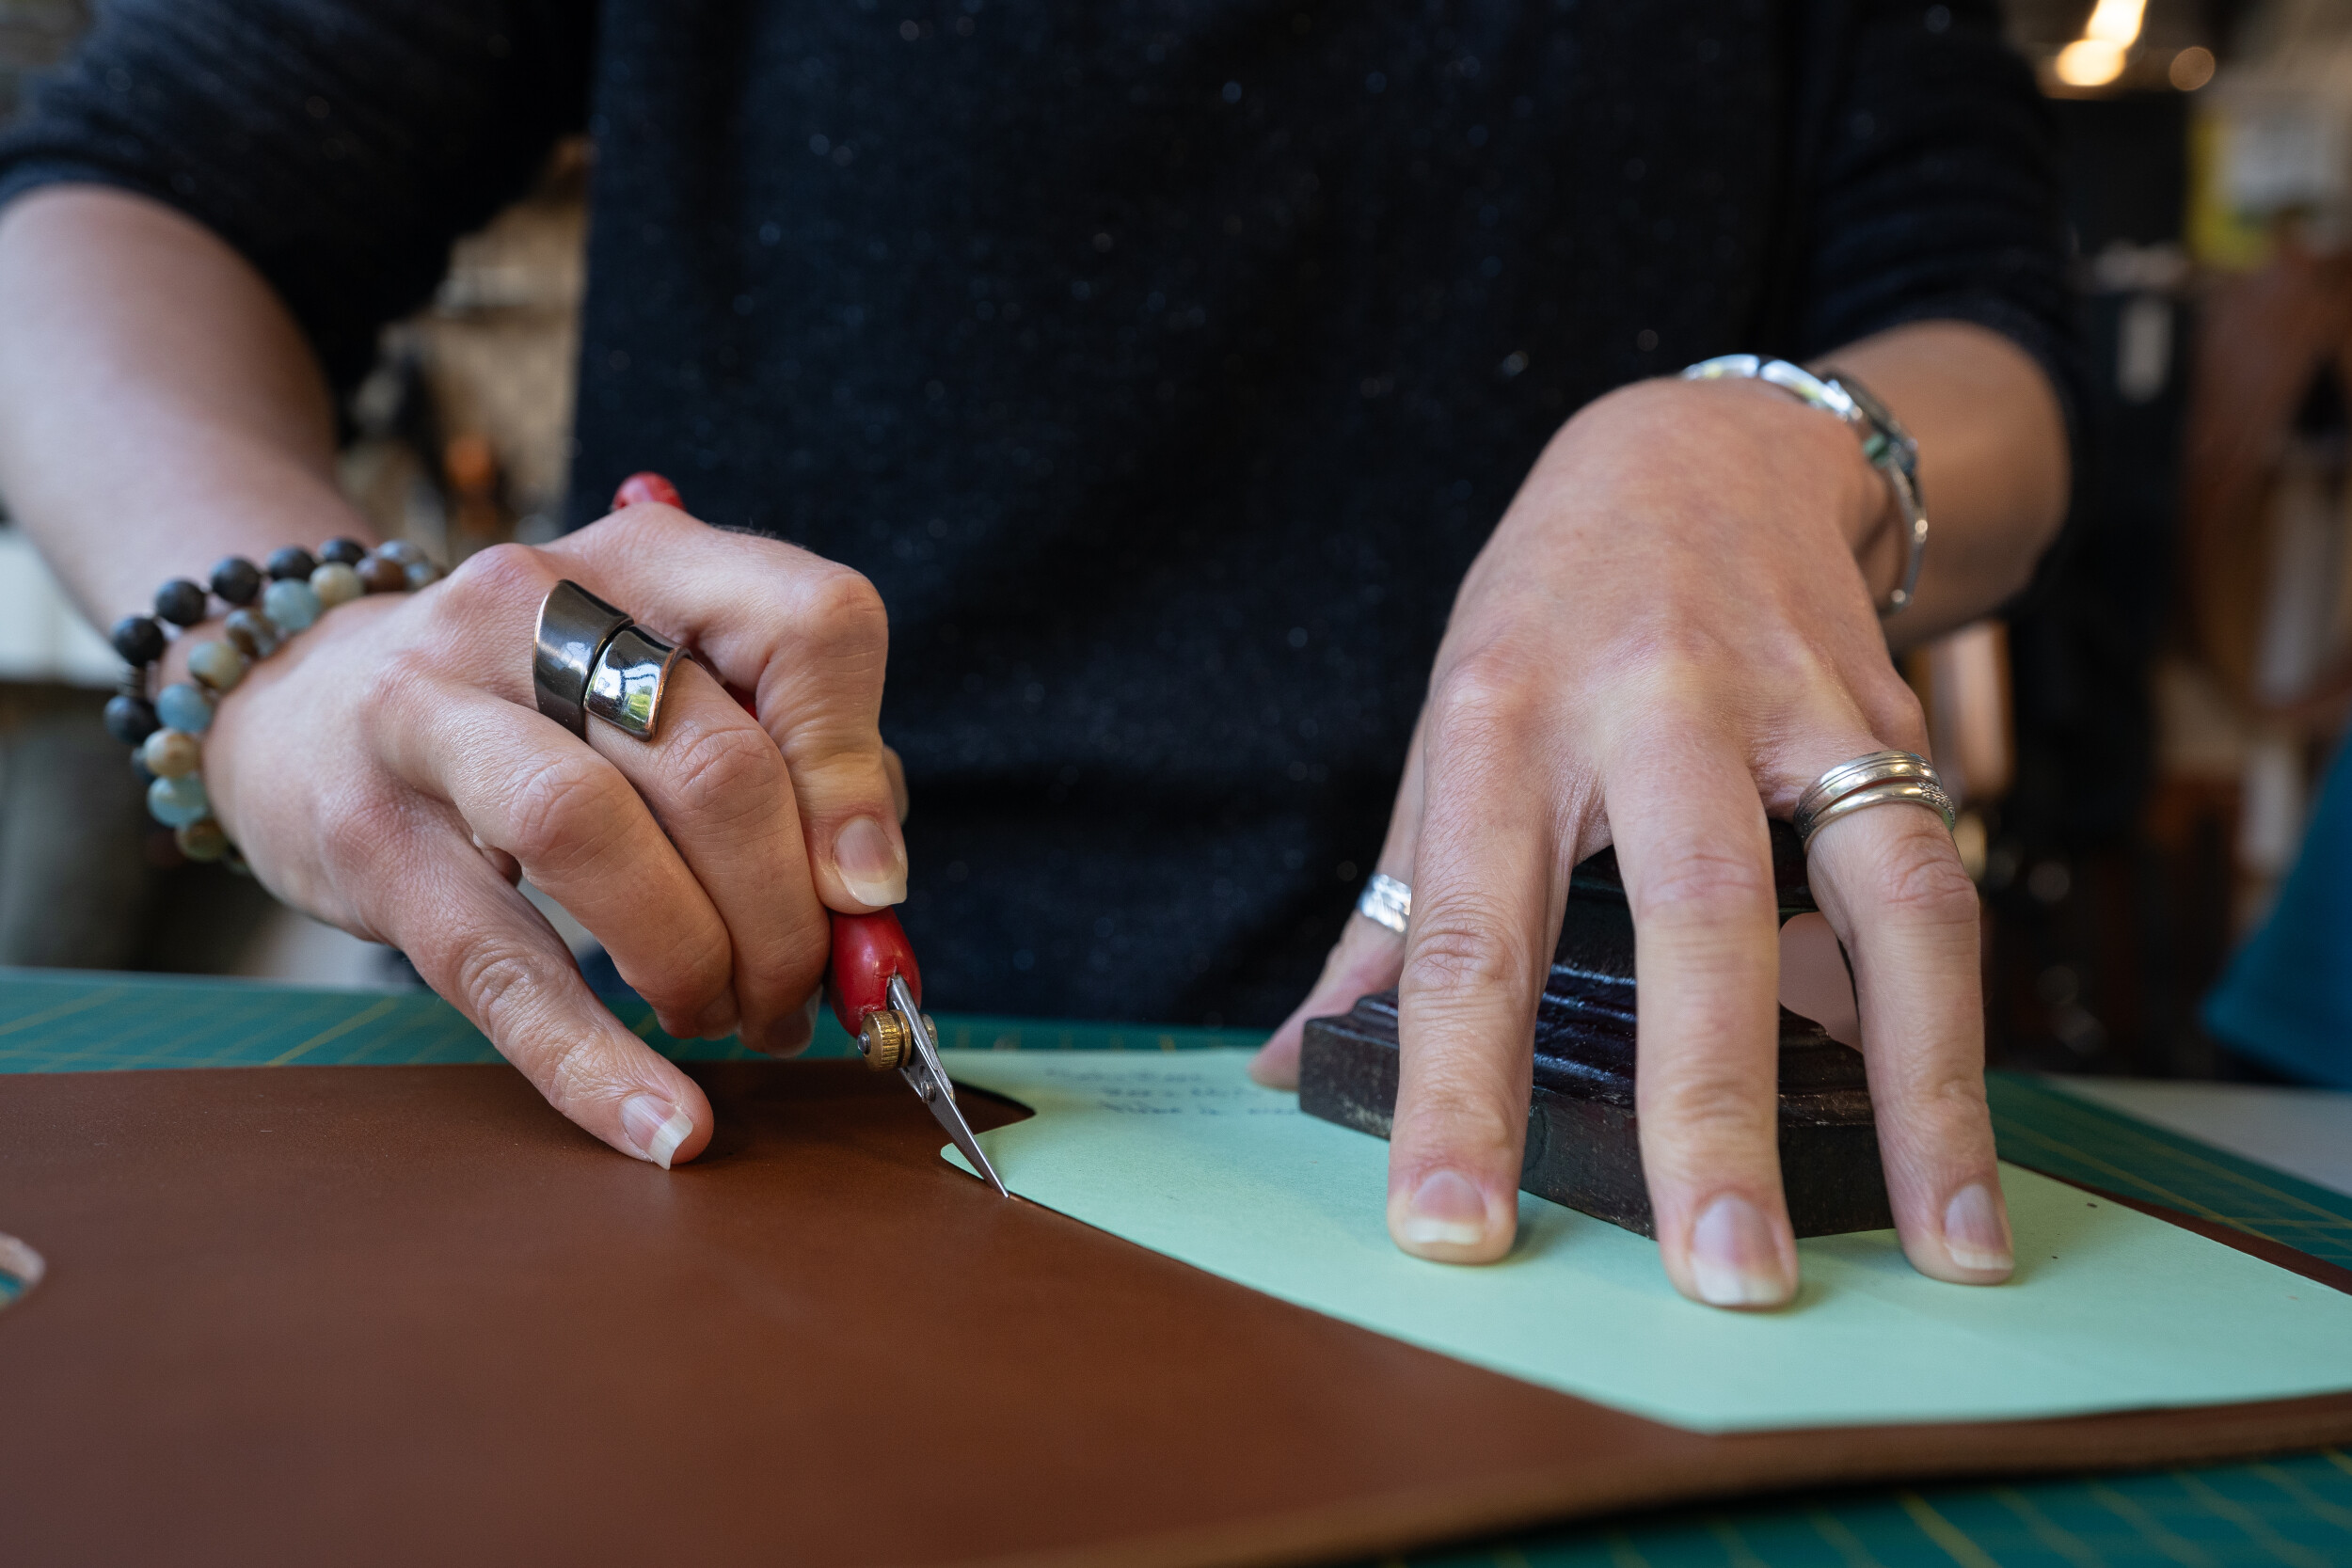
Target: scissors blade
928,1079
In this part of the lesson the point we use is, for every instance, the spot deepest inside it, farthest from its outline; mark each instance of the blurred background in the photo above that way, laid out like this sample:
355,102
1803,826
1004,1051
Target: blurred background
2138,748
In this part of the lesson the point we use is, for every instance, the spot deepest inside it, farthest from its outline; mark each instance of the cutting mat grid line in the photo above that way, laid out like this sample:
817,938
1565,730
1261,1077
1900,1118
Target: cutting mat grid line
2295,1511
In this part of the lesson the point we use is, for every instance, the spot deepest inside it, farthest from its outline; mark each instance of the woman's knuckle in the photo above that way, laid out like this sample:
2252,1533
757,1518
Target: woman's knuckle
1707,1104
1484,712
723,771
1454,956
843,608
497,574
402,686
496,980
553,814
649,523
1700,882
1954,1089
1670,655
1895,714
1488,688
491,975
1925,884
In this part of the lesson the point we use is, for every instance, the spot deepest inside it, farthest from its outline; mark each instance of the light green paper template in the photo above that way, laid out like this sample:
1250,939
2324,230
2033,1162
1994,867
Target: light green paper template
2111,1310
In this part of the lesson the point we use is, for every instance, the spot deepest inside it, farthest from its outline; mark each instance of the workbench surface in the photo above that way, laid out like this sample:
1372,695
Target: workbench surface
2295,1510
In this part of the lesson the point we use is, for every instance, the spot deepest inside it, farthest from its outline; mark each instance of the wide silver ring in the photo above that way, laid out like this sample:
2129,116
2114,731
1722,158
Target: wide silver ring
624,688
1386,901
590,658
1875,779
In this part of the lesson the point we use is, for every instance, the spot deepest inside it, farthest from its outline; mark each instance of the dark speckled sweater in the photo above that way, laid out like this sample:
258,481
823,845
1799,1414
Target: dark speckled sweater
1163,361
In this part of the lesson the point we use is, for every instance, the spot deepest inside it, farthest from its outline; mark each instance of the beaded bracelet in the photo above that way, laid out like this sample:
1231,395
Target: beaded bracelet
295,589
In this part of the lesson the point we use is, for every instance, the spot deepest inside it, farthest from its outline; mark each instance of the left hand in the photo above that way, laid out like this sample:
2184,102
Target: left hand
1668,637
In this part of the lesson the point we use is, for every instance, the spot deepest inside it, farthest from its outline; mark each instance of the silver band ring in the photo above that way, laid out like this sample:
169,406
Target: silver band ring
625,686
1877,779
1386,901
590,658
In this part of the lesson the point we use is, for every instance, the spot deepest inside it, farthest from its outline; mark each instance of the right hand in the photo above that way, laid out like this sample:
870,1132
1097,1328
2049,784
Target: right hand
388,771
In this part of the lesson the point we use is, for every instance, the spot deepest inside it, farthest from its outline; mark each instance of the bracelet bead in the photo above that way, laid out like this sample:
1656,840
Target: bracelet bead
219,666
290,602
381,574
291,561
181,602
336,583
130,720
171,754
137,638
266,609
184,708
177,802
255,634
236,580
202,840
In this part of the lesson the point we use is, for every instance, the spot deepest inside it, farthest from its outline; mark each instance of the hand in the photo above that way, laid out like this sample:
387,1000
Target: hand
388,770
1667,638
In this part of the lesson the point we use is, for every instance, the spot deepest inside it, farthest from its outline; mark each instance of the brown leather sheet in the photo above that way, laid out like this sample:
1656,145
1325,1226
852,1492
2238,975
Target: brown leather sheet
405,1315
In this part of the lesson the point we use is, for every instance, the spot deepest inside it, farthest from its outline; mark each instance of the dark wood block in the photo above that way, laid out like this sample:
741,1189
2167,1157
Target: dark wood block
1583,1144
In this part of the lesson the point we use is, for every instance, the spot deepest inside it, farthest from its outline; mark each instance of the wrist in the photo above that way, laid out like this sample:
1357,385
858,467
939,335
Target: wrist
176,683
1845,487
1894,522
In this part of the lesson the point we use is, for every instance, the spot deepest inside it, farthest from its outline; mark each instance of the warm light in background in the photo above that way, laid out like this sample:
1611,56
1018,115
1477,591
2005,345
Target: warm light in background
2116,21
2192,68
2090,63
2096,58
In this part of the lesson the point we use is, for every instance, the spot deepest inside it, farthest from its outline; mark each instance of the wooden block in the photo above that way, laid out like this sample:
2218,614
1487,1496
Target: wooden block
1584,1134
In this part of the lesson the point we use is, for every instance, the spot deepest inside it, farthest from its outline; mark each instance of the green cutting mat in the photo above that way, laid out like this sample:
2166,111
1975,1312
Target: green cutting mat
2297,1512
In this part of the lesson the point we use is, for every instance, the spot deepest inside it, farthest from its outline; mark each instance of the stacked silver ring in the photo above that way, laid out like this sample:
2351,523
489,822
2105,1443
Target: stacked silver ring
592,661
1877,779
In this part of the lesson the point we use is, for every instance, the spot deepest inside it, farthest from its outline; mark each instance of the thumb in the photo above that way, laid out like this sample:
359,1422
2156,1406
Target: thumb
1368,958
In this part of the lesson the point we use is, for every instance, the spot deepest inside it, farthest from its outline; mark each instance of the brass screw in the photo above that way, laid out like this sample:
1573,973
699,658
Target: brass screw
883,1040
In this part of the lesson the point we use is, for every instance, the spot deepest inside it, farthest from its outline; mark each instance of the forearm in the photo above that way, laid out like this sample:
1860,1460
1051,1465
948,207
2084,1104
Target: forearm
1994,469
158,407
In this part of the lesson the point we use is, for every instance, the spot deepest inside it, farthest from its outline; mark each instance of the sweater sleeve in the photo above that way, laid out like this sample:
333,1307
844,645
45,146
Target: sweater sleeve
1935,190
339,145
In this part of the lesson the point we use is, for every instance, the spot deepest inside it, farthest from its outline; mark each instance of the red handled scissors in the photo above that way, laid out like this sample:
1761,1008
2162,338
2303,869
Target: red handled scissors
873,984
876,993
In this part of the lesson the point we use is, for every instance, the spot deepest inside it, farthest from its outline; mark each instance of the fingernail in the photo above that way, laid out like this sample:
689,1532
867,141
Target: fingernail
873,868
1735,1260
653,1127
1974,1233
1446,1207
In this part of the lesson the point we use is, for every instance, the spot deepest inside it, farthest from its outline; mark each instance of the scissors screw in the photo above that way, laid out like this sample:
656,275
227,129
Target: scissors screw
883,1040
